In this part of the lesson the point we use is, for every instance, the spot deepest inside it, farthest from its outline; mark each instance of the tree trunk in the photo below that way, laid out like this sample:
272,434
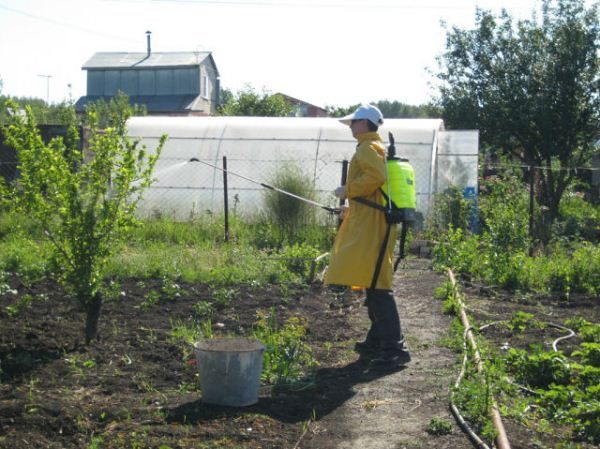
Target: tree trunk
549,193
92,311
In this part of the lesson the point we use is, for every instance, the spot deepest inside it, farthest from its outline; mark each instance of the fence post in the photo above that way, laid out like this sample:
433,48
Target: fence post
531,203
344,179
225,199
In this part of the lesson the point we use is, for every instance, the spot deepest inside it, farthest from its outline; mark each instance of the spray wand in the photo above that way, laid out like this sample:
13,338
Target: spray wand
329,209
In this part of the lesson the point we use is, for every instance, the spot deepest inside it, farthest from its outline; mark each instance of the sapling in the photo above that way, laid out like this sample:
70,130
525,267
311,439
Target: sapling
84,200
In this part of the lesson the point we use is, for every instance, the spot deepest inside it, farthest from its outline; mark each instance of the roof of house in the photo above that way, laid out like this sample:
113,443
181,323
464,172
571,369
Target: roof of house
297,100
103,60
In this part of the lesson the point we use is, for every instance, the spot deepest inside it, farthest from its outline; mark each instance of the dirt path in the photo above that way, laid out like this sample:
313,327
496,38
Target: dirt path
393,410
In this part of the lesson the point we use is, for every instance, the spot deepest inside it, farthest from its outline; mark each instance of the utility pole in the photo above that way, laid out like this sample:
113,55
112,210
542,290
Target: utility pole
47,87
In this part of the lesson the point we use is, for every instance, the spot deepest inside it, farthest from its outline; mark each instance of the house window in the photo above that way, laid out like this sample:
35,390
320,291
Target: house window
205,87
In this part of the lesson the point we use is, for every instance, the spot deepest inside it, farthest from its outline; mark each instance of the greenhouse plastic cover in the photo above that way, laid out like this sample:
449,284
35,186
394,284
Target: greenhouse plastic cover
256,148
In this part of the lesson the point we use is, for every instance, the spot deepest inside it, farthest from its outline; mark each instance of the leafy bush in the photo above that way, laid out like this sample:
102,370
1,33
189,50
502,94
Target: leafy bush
520,321
458,250
589,354
286,357
451,210
504,213
439,426
299,257
588,332
474,399
538,370
500,254
578,218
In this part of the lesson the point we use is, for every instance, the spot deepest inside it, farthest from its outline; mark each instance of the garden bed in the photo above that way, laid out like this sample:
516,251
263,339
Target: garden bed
138,386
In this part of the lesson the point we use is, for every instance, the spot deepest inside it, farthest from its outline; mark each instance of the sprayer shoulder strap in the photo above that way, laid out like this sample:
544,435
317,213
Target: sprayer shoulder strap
388,199
360,199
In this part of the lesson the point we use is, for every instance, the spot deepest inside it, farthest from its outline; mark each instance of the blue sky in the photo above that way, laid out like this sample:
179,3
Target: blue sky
329,52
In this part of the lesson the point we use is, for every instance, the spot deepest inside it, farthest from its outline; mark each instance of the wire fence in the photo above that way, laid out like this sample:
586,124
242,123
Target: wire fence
187,188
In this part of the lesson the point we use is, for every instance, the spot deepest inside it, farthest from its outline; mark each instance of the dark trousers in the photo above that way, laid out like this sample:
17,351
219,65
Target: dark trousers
385,327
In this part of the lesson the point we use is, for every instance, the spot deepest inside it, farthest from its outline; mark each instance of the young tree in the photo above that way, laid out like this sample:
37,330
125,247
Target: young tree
531,88
248,102
85,203
117,106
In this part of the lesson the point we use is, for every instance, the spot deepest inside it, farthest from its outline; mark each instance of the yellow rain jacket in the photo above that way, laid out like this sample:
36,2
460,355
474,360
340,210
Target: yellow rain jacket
359,239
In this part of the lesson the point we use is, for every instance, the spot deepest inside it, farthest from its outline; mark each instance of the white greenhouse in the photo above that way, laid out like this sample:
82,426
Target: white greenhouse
189,176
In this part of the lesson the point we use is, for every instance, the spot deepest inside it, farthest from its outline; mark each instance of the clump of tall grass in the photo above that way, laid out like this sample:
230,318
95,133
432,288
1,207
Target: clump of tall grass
289,214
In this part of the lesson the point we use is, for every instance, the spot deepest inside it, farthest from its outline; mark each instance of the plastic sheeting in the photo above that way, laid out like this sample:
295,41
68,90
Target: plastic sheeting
258,147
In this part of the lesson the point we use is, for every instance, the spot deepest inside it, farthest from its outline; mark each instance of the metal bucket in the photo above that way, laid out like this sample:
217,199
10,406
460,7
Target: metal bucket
230,370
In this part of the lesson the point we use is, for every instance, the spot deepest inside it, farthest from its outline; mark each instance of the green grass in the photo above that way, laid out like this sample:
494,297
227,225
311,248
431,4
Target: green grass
193,251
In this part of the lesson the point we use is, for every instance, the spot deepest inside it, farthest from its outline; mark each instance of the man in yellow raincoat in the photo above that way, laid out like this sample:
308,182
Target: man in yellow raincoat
360,239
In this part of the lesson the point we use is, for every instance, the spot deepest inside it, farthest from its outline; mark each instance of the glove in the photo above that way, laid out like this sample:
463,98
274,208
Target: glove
340,192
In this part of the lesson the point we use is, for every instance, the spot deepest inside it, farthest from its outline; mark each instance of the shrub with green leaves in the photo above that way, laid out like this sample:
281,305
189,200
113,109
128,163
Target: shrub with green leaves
588,332
474,399
439,426
451,210
578,218
538,370
589,354
287,357
520,321
500,254
504,213
298,258
458,250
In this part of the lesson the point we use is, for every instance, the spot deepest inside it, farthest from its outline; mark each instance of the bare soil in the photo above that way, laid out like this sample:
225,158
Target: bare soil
138,386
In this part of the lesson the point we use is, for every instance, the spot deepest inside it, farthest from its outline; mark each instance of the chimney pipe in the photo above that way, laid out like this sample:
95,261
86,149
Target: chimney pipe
148,33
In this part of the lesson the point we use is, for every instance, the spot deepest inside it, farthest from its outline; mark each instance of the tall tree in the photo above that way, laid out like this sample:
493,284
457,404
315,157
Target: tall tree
530,87
248,102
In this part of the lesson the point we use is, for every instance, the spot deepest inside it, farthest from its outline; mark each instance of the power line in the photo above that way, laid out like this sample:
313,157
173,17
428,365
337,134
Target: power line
66,25
538,167
297,4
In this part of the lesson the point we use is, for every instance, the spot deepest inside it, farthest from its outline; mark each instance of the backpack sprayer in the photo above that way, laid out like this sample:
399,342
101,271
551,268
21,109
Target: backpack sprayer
399,203
402,191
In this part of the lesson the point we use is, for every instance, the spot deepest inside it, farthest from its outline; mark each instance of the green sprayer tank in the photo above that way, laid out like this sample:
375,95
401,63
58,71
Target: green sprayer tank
401,183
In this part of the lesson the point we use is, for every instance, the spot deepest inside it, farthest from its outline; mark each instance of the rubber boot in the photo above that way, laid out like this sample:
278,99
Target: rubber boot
384,314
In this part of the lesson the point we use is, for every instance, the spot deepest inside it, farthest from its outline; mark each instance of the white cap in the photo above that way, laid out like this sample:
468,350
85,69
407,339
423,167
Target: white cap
364,111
